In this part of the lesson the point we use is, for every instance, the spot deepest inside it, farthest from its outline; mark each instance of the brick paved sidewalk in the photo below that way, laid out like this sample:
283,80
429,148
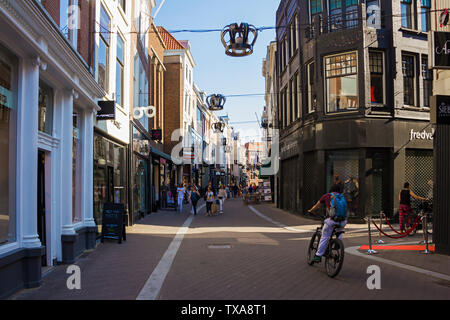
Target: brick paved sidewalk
114,271
432,262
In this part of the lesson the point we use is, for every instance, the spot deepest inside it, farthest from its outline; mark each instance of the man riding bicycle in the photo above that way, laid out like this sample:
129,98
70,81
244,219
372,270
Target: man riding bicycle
336,207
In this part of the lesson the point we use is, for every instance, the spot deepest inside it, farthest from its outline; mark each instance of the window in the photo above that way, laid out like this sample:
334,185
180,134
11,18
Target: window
8,100
119,71
407,13
408,80
45,105
341,81
351,14
315,7
103,52
376,77
76,169
335,11
294,33
427,75
311,96
68,20
425,15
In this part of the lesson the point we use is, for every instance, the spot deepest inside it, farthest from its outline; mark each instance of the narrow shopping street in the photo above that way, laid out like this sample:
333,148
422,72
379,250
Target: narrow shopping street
254,252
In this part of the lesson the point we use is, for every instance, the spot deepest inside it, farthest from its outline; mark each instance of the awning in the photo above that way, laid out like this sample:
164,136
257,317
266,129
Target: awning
160,153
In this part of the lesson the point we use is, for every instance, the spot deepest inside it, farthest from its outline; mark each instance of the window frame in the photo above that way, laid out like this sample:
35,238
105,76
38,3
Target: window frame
326,77
120,64
427,78
425,13
410,6
414,79
106,41
383,73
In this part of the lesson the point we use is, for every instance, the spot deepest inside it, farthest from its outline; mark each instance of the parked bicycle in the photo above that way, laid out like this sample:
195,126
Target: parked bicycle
425,209
334,255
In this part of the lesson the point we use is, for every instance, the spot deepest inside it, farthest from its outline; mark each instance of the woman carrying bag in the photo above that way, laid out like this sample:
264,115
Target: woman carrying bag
222,195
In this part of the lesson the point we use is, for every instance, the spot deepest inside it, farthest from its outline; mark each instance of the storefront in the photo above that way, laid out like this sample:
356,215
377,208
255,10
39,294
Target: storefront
46,148
110,175
369,159
141,185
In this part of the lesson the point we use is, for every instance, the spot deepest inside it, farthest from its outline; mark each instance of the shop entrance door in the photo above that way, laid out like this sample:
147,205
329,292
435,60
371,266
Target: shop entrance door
41,221
378,185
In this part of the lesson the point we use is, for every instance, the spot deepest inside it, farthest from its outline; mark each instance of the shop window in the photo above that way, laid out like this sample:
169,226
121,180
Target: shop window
427,75
376,77
419,173
8,98
103,52
119,71
45,105
409,80
341,80
76,168
408,14
343,170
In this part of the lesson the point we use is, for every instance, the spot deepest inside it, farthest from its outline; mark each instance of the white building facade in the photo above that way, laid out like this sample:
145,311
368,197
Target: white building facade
48,107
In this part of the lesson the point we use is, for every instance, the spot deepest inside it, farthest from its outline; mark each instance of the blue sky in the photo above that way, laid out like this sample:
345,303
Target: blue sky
216,72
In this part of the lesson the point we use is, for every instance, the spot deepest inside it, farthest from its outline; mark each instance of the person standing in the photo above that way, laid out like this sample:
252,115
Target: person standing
180,191
222,196
404,209
209,201
194,197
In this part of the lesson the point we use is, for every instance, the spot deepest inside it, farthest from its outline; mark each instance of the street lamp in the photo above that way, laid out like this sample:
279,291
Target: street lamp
215,102
239,44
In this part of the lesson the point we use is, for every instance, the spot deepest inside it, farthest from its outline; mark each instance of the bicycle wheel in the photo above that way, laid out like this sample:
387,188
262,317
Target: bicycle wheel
335,257
312,248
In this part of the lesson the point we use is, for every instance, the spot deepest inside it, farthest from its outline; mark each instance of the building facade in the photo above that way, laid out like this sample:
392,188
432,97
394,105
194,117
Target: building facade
353,103
48,109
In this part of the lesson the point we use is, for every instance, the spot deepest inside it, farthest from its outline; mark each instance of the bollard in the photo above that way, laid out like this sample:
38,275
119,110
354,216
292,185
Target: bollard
381,227
370,251
425,231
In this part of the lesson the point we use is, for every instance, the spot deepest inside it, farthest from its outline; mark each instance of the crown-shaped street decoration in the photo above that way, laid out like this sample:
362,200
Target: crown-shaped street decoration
238,43
215,102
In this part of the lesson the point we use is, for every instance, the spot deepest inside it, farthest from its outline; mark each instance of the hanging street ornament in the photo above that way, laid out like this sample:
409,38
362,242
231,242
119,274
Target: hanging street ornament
218,126
215,102
238,44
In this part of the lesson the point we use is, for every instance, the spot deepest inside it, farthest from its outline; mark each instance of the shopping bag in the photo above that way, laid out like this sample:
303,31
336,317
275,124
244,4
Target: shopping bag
213,208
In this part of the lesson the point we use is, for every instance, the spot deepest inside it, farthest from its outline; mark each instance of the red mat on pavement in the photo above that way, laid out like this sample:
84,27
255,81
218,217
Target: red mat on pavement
399,247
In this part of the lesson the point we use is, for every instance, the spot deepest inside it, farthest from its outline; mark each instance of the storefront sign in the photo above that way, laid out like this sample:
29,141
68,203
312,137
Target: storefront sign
441,50
6,99
415,135
440,110
108,111
112,221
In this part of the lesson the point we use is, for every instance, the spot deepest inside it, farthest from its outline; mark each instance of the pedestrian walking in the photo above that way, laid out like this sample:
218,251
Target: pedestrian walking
222,195
180,191
209,201
194,197
404,209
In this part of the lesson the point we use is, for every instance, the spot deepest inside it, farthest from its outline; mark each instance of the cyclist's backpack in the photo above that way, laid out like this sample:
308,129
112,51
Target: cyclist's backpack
338,207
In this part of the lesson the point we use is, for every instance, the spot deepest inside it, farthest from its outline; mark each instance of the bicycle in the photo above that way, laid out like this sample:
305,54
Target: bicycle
334,254
425,209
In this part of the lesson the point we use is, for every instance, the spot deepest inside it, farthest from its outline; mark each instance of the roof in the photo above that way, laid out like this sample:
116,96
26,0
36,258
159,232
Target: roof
169,40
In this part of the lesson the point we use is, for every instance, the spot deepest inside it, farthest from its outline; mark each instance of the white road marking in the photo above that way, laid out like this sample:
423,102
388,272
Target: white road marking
354,251
283,226
154,283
